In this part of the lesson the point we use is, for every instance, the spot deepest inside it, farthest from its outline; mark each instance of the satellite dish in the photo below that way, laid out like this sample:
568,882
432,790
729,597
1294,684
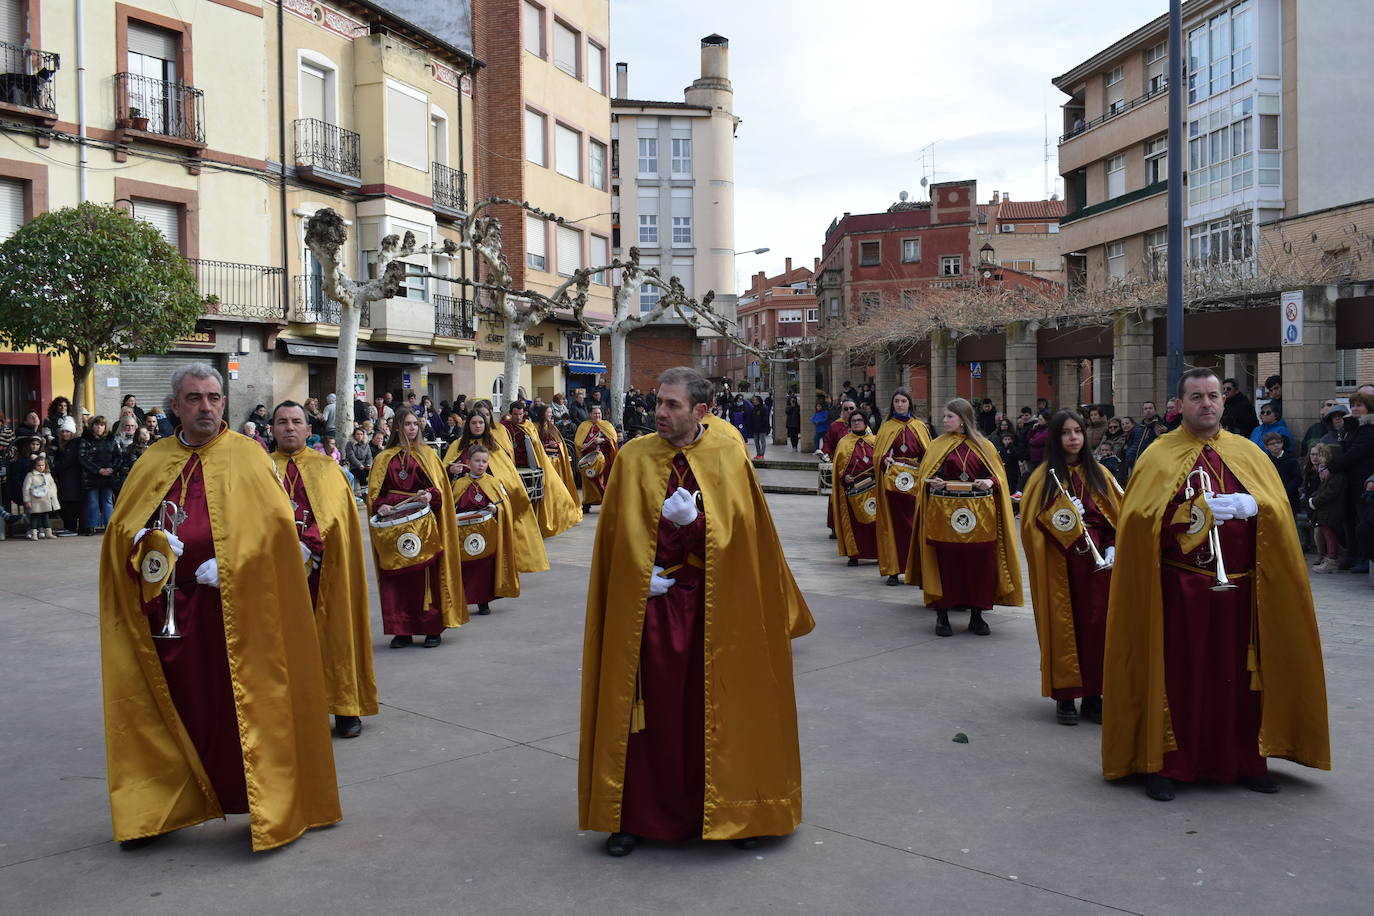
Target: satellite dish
903,196
924,182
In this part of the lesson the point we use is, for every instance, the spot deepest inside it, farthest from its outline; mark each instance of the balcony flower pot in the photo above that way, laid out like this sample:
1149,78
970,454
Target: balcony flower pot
210,304
138,123
135,120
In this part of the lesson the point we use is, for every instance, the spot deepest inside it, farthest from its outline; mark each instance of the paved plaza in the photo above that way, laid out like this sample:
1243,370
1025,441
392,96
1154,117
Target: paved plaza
461,796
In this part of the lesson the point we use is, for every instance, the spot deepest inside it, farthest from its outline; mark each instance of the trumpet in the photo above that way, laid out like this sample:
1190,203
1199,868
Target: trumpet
1222,584
1100,562
169,517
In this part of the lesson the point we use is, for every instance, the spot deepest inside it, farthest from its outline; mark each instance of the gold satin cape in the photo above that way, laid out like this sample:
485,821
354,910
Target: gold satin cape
453,609
1136,727
1049,581
342,620
563,465
922,567
156,780
580,437
501,436
753,610
845,544
530,555
889,562
507,579
559,510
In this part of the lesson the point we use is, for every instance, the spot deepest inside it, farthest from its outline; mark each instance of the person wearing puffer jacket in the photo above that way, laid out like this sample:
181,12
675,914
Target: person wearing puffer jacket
1270,422
99,461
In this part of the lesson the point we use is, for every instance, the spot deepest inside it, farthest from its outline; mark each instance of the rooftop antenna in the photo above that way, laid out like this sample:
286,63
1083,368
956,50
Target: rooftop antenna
928,164
903,196
1045,106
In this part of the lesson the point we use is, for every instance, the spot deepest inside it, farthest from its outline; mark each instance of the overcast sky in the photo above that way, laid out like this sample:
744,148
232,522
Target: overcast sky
837,109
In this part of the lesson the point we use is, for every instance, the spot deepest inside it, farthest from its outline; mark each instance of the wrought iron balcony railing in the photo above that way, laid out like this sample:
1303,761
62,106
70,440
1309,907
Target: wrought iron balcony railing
240,290
26,77
325,150
450,188
160,107
454,318
312,306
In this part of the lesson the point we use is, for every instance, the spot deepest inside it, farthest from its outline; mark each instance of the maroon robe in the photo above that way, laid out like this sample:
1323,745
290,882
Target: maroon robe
865,533
1088,592
901,507
309,532
479,574
1216,716
197,665
837,431
402,592
968,572
665,763
517,439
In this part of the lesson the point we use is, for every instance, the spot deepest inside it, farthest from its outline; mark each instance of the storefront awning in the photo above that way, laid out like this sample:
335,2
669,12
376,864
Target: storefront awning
582,367
365,354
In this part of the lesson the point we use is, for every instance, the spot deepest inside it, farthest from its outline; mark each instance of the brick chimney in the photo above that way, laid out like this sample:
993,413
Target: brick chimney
622,80
787,271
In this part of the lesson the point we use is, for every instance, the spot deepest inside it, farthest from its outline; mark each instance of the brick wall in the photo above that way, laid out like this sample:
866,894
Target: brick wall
655,349
500,127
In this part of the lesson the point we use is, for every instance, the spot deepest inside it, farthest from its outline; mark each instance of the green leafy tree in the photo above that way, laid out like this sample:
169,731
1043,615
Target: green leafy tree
92,283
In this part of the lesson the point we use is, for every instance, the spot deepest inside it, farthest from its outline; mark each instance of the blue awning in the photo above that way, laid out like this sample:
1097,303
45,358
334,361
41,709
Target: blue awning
581,367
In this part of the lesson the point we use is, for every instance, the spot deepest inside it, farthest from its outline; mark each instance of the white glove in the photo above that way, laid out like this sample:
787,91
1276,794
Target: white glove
1110,555
680,508
1244,506
207,573
1221,507
1077,504
658,585
305,553
172,540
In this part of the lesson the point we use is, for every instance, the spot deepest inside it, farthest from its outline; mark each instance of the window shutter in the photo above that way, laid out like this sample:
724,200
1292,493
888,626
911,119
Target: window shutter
11,207
564,49
313,82
407,124
165,217
534,137
569,250
533,26
535,244
567,152
596,63
12,22
153,42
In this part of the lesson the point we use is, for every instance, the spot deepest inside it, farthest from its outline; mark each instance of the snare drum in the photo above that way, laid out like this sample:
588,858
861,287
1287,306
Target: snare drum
478,530
406,541
900,478
533,479
592,464
863,501
961,517
825,477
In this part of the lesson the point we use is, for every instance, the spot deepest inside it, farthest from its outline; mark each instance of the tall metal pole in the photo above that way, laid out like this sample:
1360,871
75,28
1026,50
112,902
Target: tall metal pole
1177,151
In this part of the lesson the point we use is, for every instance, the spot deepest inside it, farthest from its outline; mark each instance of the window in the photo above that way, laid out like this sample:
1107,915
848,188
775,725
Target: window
11,207
648,295
1219,53
565,42
1157,254
868,302
1157,160
596,68
813,314
12,22
1270,160
911,251
569,250
909,298
1116,176
532,24
153,64
317,96
952,265
534,138
166,217
788,316
438,126
1115,85
1157,68
1008,227
596,165
601,256
1220,152
648,219
567,152
1222,241
1347,368
1116,260
682,156
1052,228
648,156
834,306
407,121
682,216
536,244
682,269
870,254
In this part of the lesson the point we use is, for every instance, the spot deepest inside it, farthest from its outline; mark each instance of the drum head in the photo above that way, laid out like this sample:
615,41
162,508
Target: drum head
474,544
409,545
963,520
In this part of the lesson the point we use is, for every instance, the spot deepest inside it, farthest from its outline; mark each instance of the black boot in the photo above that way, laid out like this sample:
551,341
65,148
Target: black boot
893,580
1264,784
620,844
139,843
400,642
348,726
1160,788
976,623
1092,709
432,641
483,609
853,561
748,842
833,536
942,627
1066,714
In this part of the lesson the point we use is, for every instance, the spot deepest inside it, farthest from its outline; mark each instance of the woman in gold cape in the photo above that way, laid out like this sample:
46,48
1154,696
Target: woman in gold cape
557,450
530,555
558,510
342,618
1136,725
753,610
897,508
594,488
157,782
854,537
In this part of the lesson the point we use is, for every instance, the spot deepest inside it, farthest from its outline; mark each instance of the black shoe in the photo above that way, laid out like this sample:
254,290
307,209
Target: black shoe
976,623
833,536
942,627
400,642
748,842
1160,788
1264,784
893,580
432,641
348,726
585,510
1092,709
1361,568
853,561
620,844
1065,713
483,609
139,843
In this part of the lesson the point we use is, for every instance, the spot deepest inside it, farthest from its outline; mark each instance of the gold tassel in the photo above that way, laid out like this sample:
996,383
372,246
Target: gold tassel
1252,650
429,594
637,709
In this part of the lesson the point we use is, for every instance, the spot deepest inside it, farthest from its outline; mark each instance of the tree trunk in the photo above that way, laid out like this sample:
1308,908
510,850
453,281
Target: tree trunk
350,319
81,370
515,359
619,370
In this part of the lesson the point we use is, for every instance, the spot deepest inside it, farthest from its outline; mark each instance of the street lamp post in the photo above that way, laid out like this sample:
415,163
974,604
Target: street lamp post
1176,150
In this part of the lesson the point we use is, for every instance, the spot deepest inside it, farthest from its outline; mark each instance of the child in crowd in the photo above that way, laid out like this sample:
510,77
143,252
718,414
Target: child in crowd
1327,503
487,530
40,497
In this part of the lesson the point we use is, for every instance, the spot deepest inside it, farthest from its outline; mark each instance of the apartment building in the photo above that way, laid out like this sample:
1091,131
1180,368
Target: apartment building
1023,235
774,311
544,137
374,110
673,181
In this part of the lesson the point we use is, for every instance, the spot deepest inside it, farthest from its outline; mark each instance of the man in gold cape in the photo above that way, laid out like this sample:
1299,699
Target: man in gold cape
558,510
1285,676
327,520
264,660
594,488
731,769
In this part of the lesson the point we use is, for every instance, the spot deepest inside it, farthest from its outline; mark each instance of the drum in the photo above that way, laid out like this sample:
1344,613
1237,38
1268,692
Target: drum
900,478
863,501
960,518
533,479
407,540
592,464
478,530
825,478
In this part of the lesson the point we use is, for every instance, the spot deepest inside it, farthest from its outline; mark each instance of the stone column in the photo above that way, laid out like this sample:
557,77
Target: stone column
995,384
806,399
1022,367
943,379
777,374
1133,362
1309,369
1066,391
888,377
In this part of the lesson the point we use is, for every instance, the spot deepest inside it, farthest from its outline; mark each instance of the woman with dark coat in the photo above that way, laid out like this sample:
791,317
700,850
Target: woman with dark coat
99,463
793,421
1356,462
67,469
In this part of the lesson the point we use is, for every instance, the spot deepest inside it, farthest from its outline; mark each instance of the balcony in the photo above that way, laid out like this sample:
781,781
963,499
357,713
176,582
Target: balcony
450,191
1160,89
26,82
327,154
159,111
454,318
240,291
312,306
